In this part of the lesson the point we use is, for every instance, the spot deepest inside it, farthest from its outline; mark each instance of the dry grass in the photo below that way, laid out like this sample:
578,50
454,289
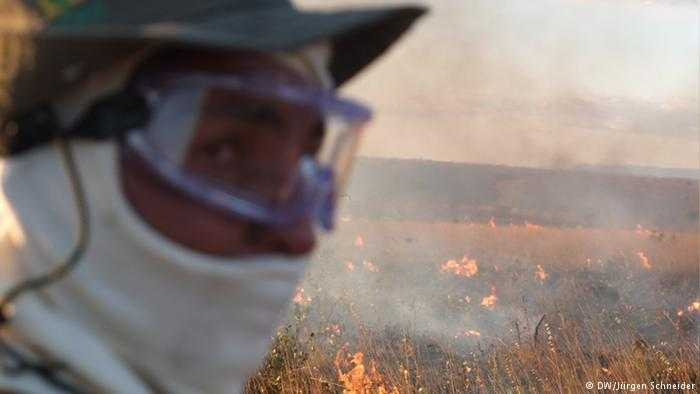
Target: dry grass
547,310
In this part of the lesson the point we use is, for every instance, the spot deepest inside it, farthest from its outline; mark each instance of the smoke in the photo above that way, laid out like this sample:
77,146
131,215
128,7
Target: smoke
548,83
555,84
583,278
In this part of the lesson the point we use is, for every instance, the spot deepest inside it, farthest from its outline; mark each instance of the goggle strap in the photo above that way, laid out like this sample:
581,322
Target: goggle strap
110,116
113,116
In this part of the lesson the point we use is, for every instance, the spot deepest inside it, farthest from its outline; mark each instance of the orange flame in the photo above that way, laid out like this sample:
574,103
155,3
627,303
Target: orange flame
359,380
299,297
694,306
471,333
350,266
467,267
359,241
369,266
492,223
644,260
540,273
489,302
534,227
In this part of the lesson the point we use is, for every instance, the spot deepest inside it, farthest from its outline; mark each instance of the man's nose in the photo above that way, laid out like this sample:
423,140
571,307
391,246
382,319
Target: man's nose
296,240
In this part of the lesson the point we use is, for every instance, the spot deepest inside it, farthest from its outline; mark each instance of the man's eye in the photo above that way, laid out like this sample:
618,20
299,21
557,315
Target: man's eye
222,152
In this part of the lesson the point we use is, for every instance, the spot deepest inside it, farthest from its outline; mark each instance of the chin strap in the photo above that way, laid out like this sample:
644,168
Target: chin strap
65,267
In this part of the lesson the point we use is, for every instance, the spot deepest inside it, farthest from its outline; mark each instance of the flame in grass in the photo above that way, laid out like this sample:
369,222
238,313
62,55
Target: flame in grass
489,302
694,306
492,223
300,298
350,266
369,266
644,260
467,267
359,379
540,273
359,241
533,227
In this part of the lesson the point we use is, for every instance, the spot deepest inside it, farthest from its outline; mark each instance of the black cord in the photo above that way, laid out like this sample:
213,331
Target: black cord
52,373
64,268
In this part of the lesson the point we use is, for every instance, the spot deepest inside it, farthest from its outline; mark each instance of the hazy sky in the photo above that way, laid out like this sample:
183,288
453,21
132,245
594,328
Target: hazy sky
539,83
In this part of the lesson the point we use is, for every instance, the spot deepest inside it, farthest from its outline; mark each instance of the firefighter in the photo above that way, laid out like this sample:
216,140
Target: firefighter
166,168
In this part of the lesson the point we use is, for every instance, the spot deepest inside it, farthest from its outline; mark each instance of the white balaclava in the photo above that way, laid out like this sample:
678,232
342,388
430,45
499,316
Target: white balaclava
183,321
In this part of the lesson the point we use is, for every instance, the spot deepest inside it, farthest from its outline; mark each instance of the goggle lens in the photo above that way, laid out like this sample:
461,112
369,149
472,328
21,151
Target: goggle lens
271,153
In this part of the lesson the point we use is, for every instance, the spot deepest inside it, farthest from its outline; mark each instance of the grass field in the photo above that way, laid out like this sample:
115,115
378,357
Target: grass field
407,306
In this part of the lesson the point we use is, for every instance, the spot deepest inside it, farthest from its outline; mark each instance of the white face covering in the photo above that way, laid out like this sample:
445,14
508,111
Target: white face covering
186,321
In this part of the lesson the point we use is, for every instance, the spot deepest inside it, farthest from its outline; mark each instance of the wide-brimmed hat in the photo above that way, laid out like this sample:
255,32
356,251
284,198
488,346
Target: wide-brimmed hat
48,45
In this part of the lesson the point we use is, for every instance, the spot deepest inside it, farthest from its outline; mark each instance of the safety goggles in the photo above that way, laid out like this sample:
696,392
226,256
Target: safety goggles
266,151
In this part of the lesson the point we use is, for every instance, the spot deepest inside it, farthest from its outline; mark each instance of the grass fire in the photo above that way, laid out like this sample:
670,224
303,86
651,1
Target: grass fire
521,299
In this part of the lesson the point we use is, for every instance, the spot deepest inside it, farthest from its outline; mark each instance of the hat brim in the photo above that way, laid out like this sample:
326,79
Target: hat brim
358,36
